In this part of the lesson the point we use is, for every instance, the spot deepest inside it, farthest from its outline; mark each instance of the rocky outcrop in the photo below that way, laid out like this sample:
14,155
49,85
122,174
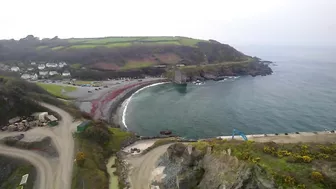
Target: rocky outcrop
253,67
186,167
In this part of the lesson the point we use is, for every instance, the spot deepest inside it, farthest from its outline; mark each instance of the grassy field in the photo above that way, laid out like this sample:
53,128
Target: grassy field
86,46
57,48
41,47
57,90
289,165
135,65
118,137
111,45
76,66
114,42
128,41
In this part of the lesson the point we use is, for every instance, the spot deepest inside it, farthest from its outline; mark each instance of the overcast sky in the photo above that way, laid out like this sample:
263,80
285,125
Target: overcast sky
270,22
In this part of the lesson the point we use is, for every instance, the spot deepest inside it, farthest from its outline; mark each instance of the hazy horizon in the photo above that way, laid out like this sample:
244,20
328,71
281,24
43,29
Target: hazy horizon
242,22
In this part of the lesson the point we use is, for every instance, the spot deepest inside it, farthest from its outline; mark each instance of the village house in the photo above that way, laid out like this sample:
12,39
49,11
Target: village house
29,76
41,67
30,69
33,63
51,73
180,65
3,67
160,66
25,76
43,73
34,76
52,65
15,69
62,64
66,73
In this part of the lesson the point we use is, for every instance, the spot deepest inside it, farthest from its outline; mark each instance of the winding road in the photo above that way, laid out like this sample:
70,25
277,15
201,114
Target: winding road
50,175
44,170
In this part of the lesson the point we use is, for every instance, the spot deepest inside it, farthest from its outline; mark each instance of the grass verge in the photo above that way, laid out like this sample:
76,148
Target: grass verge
135,65
57,90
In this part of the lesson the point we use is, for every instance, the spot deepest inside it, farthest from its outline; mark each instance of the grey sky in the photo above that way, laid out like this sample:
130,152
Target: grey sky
303,22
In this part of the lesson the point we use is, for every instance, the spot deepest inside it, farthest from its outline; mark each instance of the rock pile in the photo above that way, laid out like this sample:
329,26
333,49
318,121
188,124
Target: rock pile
122,167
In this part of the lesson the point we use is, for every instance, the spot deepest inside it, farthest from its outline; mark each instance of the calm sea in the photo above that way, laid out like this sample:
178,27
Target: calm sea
299,96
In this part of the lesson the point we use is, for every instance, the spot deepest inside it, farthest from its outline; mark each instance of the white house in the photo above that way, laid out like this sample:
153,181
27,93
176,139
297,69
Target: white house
41,67
66,73
180,65
43,73
25,76
33,63
30,69
34,77
62,64
15,69
52,65
160,66
51,73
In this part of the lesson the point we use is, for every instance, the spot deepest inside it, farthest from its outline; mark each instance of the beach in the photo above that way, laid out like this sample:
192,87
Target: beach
119,117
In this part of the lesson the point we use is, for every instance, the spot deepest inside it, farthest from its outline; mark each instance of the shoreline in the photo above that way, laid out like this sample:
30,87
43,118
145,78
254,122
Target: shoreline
118,117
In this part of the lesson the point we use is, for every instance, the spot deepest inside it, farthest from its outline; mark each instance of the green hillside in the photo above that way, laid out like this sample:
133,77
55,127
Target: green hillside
110,57
19,98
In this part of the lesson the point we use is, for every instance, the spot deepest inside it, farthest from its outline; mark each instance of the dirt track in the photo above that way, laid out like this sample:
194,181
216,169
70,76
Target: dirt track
65,145
42,166
142,167
51,174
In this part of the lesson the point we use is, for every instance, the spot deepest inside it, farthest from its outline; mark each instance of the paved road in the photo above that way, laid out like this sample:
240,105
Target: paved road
45,174
143,166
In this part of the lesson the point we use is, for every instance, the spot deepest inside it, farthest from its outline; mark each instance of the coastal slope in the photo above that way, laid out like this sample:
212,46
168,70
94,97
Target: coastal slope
110,57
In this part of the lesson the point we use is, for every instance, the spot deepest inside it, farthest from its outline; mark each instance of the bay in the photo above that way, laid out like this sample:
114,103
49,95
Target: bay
299,96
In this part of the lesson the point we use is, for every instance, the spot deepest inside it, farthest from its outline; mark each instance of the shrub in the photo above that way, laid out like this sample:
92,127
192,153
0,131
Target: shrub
255,160
306,159
301,186
322,156
289,180
80,158
267,149
316,176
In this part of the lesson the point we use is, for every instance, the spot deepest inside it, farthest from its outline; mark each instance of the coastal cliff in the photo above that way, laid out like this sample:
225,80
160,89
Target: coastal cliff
253,67
223,164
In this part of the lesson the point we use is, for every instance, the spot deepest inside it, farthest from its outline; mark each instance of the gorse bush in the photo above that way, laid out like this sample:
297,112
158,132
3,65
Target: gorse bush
317,176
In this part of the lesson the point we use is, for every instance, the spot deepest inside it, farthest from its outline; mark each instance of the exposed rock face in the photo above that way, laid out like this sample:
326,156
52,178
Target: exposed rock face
227,171
189,168
218,72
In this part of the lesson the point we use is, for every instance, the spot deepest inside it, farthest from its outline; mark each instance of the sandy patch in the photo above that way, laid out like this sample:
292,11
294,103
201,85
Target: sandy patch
142,145
157,174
